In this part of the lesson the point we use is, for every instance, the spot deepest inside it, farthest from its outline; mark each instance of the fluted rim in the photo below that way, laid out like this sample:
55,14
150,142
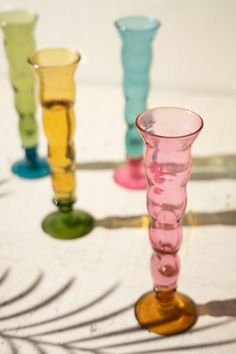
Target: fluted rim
17,17
196,131
73,58
129,23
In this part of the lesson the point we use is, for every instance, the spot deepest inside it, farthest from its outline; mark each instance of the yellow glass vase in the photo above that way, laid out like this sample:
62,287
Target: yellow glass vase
55,69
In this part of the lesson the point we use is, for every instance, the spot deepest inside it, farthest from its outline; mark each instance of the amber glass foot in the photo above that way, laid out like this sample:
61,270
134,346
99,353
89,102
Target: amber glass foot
169,318
68,225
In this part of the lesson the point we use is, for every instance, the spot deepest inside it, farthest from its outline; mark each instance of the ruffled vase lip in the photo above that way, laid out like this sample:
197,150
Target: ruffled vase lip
186,110
129,23
17,17
32,59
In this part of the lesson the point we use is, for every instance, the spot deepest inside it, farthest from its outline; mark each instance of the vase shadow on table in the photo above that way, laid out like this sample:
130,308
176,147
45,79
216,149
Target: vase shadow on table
191,219
203,168
3,183
13,337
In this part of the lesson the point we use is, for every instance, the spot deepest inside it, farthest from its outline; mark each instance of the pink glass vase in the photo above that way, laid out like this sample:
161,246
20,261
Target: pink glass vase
168,134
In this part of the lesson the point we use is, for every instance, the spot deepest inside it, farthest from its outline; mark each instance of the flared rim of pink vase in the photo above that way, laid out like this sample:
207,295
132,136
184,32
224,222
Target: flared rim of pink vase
195,131
49,58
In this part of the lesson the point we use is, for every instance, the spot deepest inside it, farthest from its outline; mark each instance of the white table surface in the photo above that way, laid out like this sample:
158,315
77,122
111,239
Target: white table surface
111,262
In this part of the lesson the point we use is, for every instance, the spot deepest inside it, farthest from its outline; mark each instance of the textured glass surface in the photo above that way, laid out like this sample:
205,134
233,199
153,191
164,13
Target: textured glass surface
57,95
168,134
18,28
137,34
55,70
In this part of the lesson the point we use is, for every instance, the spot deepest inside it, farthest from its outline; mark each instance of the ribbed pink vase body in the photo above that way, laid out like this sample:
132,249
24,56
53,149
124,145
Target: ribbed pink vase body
168,134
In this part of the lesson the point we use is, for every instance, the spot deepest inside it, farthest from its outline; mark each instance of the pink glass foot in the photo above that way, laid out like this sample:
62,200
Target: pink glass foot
131,175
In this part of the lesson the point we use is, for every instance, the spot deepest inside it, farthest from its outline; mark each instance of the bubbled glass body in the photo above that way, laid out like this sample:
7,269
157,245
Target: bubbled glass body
137,34
18,29
168,134
55,70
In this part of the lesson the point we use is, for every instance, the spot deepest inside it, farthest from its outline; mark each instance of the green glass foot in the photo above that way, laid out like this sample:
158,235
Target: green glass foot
68,225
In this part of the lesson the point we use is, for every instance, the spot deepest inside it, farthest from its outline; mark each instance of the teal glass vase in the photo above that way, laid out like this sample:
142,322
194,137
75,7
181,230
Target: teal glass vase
137,34
18,29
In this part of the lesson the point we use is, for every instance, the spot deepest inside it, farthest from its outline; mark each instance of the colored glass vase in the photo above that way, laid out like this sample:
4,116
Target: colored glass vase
136,34
55,69
18,28
168,134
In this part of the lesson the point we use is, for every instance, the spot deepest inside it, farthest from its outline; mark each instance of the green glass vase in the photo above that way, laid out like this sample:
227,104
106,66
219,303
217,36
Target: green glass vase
18,29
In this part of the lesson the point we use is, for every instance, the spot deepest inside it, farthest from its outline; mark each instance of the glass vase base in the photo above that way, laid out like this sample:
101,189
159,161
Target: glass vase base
125,177
25,169
156,318
68,225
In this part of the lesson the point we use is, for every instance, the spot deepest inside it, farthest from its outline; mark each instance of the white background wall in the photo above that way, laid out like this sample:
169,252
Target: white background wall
195,48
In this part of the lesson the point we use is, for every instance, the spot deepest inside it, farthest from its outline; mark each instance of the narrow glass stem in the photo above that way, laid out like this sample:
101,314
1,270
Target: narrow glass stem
165,298
31,155
64,205
135,166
